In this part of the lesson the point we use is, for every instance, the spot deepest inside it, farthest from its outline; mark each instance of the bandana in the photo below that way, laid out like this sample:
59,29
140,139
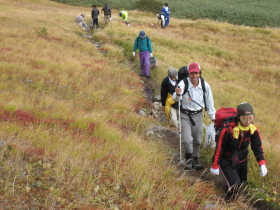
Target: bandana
236,130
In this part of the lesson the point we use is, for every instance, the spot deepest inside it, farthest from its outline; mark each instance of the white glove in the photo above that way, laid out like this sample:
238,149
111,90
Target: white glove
110,18
151,54
133,54
263,170
214,171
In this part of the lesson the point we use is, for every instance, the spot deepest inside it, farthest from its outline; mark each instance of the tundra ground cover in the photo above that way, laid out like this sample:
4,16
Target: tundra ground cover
73,138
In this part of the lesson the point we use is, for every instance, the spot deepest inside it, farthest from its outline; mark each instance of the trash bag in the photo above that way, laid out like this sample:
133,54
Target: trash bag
210,136
153,62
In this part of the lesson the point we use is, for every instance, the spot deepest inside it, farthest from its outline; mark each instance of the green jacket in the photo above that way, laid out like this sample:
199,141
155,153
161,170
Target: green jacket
143,44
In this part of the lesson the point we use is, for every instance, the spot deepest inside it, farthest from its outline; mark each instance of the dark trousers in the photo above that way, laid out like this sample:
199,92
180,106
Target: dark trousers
95,22
235,177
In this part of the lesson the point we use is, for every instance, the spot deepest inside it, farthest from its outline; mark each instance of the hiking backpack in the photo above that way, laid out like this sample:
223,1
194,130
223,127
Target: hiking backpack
224,118
183,73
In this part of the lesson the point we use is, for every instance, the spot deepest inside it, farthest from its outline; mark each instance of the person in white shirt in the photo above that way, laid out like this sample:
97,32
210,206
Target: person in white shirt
193,100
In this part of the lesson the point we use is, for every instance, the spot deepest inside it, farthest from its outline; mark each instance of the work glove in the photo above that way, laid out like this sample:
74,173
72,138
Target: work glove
214,171
151,54
263,170
110,18
133,54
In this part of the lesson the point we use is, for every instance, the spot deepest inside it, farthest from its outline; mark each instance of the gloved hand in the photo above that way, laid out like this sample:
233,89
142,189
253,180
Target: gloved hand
151,54
133,54
263,170
214,171
110,18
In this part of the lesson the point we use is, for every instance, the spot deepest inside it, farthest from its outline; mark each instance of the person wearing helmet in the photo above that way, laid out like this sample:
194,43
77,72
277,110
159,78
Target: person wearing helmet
170,107
231,153
195,95
144,45
124,16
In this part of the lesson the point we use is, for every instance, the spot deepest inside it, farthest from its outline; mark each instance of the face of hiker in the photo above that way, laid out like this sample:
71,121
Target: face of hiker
194,77
173,78
246,120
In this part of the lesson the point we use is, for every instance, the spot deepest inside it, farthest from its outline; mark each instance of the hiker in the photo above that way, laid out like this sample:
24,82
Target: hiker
231,153
94,16
166,11
194,98
107,13
170,107
161,19
144,45
81,22
124,16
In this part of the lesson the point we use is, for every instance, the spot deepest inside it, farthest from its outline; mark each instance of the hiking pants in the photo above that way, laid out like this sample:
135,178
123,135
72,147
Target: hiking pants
106,19
145,62
235,175
167,21
162,21
174,117
95,21
191,135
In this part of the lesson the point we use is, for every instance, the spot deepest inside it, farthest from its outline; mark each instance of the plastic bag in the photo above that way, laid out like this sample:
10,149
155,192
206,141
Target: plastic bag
210,136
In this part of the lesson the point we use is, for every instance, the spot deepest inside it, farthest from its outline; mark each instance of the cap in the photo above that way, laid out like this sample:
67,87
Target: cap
120,14
82,15
142,34
93,6
172,72
243,107
194,67
166,4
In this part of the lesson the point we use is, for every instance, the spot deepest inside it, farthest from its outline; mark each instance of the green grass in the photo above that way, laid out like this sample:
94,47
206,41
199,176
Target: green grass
248,13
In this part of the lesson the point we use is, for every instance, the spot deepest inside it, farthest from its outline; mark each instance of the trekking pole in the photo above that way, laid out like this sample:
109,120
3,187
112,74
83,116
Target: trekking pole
180,136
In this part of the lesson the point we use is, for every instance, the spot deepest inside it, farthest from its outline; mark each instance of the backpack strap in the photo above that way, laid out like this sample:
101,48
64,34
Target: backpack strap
146,39
203,89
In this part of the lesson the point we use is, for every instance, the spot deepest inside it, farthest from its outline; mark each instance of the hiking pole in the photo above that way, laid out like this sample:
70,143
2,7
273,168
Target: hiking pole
180,136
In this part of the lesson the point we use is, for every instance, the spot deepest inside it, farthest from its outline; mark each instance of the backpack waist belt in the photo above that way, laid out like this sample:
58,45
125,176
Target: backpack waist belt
234,157
190,113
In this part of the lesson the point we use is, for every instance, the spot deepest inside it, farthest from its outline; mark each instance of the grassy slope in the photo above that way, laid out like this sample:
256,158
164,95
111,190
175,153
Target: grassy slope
256,13
78,106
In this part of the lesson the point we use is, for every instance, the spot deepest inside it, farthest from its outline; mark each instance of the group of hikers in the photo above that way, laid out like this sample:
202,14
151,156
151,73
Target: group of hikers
163,17
94,15
184,97
185,91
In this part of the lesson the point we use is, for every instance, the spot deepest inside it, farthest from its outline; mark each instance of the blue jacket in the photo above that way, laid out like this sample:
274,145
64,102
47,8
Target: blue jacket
166,13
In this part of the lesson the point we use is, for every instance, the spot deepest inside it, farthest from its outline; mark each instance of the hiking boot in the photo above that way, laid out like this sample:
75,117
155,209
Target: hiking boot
147,76
188,164
195,163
